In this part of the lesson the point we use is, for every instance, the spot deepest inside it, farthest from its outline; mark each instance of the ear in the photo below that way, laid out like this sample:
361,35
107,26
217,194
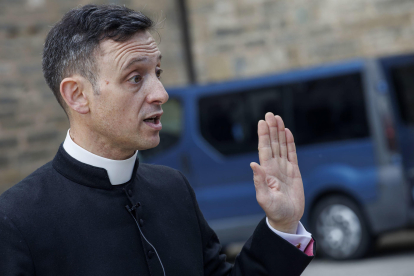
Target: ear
73,92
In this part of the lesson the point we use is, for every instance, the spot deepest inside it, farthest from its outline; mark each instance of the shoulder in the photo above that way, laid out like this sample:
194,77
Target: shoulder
164,179
28,190
159,173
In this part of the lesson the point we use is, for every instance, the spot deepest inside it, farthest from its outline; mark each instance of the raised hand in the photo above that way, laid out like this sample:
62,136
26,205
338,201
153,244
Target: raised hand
278,183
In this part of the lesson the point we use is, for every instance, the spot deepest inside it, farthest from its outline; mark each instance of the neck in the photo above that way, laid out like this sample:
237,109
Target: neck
118,171
98,145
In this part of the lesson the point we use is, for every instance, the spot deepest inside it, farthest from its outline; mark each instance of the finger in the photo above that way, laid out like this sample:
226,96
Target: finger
291,148
282,137
259,177
265,151
274,140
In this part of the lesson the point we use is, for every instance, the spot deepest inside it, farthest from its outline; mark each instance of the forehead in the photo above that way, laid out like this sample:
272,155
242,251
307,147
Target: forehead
119,54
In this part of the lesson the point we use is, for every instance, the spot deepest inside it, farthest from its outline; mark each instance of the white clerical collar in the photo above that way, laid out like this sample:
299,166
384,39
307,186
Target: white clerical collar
119,171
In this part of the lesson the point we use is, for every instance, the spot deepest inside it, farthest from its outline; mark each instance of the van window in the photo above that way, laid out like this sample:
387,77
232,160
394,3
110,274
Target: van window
172,124
403,81
329,109
223,122
317,111
259,103
229,122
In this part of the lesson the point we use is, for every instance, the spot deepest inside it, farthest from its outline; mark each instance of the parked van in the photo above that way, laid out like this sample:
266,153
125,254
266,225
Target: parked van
353,124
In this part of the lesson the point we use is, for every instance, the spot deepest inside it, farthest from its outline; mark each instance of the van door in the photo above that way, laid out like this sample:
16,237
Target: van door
399,72
226,143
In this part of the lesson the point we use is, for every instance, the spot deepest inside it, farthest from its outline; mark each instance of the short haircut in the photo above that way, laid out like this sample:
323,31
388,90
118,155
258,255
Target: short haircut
71,44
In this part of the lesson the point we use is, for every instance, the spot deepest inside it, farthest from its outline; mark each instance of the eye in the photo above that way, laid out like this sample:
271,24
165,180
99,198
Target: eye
135,79
159,72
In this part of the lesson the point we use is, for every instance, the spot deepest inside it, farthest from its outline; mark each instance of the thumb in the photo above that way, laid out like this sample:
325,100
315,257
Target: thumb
259,176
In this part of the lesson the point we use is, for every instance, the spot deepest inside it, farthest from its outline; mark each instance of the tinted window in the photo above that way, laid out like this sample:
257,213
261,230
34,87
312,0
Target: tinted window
316,111
329,109
171,128
229,122
223,122
403,81
259,103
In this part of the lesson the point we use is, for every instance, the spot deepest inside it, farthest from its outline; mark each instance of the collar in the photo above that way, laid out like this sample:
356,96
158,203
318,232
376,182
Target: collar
118,171
84,174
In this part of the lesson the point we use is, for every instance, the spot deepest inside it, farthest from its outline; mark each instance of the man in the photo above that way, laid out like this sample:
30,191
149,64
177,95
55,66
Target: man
95,210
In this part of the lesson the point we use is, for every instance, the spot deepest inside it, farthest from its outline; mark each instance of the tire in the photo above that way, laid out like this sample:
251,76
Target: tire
340,229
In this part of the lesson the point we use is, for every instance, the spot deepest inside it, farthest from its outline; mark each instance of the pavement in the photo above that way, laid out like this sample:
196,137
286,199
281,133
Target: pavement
392,256
389,265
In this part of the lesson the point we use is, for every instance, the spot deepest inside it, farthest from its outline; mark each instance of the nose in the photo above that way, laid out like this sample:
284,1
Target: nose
157,94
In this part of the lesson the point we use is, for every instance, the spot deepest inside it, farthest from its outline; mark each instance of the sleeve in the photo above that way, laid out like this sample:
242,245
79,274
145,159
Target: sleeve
15,258
263,254
300,240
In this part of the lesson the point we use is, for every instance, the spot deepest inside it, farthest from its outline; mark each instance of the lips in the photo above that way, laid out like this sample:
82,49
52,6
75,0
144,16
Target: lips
154,121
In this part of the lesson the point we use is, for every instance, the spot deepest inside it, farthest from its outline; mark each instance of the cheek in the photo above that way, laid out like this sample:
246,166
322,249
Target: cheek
111,113
126,115
120,109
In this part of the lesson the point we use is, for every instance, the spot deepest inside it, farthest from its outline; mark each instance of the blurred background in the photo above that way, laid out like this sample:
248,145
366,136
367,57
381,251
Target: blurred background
224,45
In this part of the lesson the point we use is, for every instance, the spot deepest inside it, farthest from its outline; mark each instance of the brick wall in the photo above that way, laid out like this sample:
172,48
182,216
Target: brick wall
32,124
240,38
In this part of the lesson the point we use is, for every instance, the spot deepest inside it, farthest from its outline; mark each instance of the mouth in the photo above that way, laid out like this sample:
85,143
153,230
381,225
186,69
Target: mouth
154,121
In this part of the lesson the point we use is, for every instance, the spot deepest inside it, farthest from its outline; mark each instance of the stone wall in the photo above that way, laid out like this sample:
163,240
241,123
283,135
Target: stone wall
242,38
32,124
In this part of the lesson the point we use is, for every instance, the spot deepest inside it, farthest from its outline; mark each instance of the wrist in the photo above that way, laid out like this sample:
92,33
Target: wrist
289,228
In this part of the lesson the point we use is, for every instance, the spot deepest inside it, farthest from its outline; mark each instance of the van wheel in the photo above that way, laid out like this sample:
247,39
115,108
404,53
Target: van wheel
340,229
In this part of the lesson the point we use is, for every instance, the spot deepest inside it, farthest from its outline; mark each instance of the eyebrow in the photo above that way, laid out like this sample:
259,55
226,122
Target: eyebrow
137,60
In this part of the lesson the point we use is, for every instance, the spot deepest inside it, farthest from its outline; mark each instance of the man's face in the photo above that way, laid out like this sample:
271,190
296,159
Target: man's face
126,112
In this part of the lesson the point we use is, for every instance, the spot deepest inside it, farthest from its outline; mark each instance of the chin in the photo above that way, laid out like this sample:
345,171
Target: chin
149,143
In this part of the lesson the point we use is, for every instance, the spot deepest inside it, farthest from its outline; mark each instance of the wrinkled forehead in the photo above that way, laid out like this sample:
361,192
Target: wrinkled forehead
118,54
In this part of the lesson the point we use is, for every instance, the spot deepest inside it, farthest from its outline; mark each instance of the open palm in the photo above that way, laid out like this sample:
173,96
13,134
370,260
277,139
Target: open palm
278,183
